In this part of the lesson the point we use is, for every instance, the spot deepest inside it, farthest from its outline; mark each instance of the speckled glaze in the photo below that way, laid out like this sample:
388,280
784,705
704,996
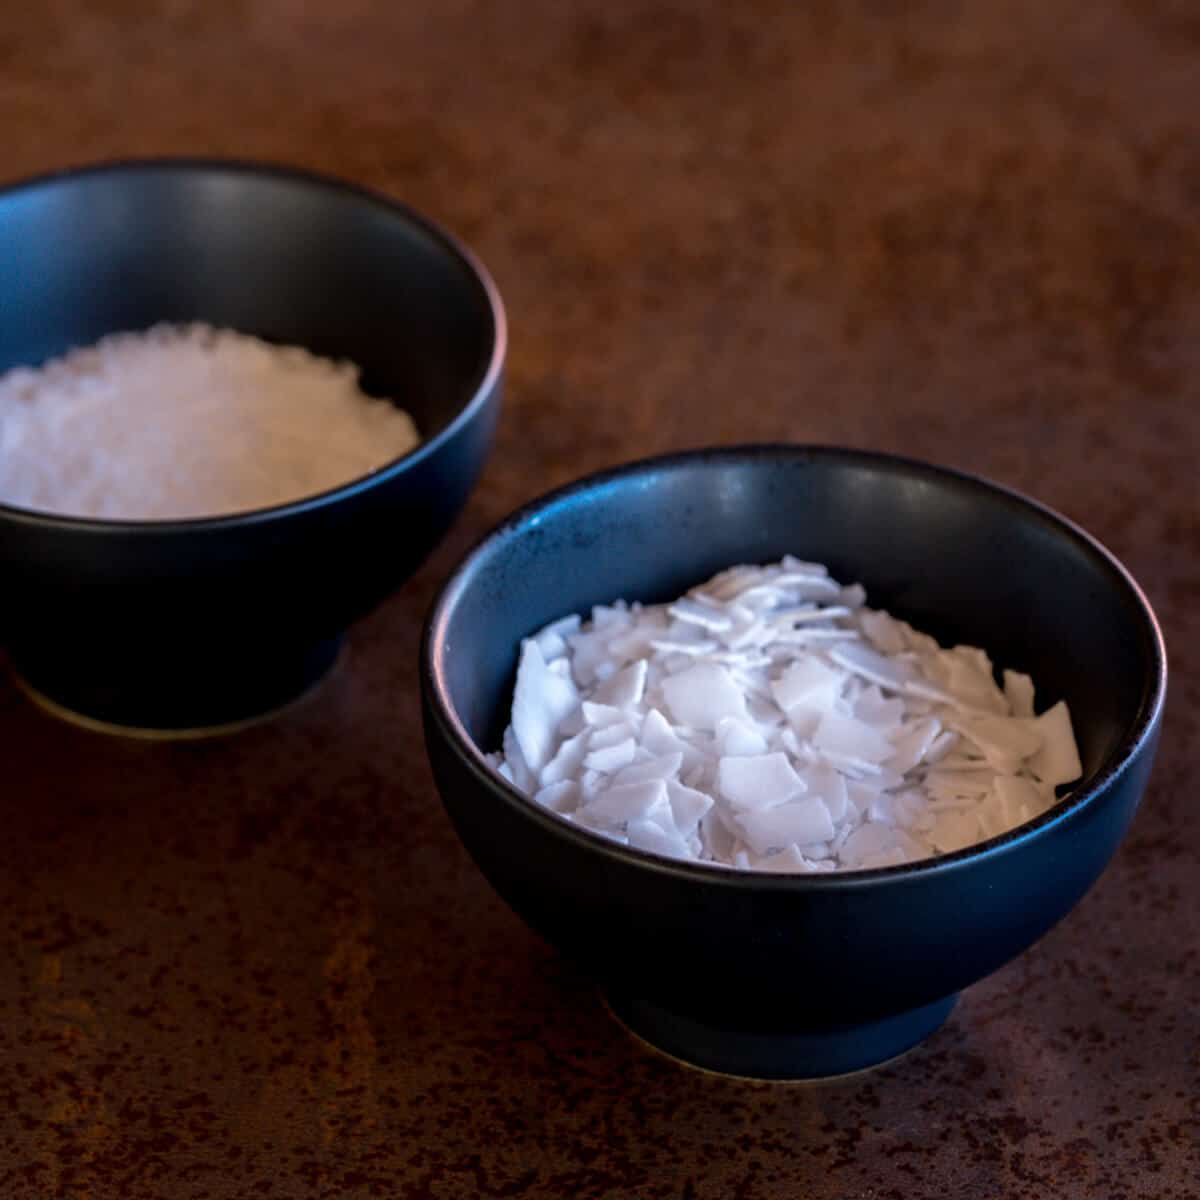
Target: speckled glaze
264,966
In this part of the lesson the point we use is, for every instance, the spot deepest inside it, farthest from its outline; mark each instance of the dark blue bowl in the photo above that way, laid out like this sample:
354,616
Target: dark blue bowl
797,976
177,624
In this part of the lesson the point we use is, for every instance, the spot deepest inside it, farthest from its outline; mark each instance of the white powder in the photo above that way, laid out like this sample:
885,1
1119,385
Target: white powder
188,421
769,720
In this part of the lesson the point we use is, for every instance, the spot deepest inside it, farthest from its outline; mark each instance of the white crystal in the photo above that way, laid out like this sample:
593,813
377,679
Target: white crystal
850,738
696,612
1018,690
601,715
700,696
650,836
611,758
688,805
627,802
665,766
1058,759
610,735
1005,742
770,721
829,786
955,830
625,687
559,797
885,632
657,734
867,841
810,683
758,781
889,673
1018,798
567,760
788,860
541,700
736,737
913,744
794,823
520,774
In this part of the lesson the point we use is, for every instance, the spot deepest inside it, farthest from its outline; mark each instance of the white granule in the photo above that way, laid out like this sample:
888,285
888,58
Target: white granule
769,720
188,421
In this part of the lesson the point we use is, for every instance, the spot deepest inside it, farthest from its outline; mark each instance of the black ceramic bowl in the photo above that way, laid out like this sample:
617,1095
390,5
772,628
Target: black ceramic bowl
797,976
177,624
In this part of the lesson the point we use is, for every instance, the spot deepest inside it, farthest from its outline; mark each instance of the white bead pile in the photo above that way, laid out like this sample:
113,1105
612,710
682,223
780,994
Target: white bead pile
182,421
769,720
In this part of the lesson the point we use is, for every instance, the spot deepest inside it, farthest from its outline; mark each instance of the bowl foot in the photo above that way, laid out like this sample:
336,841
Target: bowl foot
185,702
813,1054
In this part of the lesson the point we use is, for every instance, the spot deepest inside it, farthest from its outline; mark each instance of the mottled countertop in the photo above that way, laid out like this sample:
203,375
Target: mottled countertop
264,966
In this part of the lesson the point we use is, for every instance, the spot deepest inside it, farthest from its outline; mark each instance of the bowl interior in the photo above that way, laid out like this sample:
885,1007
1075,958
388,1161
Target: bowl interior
282,255
176,625
965,561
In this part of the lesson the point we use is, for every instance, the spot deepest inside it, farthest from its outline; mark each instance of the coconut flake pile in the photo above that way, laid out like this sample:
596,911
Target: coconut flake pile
188,421
769,720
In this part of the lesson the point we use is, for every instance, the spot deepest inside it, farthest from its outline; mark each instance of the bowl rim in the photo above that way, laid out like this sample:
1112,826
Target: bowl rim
304,177
438,704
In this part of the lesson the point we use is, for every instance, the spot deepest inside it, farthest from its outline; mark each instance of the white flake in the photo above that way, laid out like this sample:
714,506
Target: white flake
559,797
666,766
652,837
1058,759
610,735
945,784
955,829
736,737
563,628
657,735
829,786
809,683
969,683
601,715
700,696
717,837
582,818
688,806
1018,799
540,702
1018,690
611,758
882,810
884,632
853,596
892,857
758,781
789,860
628,802
1005,742
695,612
567,760
865,842
769,720
911,811
795,823
875,709
851,738
519,772
891,674
913,744
941,745
625,687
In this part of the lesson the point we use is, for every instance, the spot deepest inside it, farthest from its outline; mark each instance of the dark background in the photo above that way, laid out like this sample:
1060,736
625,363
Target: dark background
968,232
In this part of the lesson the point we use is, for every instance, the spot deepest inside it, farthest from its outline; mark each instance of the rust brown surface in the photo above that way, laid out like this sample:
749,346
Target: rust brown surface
264,966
